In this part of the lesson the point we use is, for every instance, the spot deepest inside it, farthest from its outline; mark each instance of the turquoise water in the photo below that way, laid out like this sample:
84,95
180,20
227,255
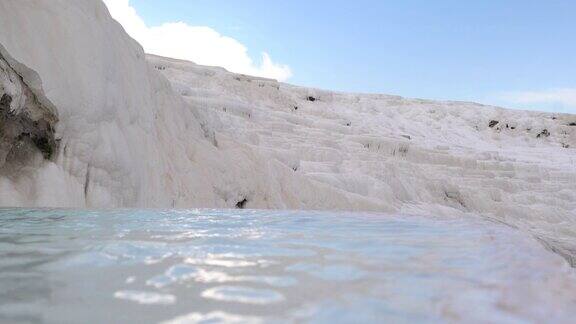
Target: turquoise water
210,266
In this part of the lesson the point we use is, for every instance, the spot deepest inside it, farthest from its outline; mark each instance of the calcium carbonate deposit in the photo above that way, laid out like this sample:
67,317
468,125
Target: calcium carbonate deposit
89,120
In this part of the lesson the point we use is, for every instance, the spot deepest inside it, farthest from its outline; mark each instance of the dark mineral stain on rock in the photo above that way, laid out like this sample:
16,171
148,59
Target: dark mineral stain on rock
26,127
5,102
543,133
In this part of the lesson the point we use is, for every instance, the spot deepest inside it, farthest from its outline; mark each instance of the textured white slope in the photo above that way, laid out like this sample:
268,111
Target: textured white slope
113,113
128,137
414,156
125,138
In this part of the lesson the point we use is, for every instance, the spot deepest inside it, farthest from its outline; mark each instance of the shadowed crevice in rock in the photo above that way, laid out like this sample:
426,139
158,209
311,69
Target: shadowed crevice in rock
26,125
242,204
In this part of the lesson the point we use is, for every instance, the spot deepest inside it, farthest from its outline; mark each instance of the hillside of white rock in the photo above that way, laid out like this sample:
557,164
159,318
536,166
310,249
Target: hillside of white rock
88,120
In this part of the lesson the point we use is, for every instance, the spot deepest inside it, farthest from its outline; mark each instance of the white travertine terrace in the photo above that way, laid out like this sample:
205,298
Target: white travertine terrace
142,131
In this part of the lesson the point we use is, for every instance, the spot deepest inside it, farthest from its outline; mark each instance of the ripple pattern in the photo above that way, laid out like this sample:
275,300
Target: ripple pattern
205,266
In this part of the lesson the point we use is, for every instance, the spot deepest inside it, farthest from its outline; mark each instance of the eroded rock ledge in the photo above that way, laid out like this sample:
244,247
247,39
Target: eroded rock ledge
26,126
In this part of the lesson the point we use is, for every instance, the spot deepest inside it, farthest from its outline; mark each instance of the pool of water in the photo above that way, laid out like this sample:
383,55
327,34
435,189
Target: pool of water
210,266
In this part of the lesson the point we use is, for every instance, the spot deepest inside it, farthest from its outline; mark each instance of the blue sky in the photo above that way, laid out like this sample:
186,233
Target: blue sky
507,52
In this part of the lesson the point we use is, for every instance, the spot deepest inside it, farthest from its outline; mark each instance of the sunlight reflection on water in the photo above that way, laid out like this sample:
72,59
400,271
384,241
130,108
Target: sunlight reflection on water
192,266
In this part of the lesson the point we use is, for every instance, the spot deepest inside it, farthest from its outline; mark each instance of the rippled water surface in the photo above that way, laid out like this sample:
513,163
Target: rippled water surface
67,266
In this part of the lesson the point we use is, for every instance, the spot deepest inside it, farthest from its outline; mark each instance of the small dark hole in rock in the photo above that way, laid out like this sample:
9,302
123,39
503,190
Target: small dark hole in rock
242,204
493,123
312,99
543,133
5,101
44,145
572,124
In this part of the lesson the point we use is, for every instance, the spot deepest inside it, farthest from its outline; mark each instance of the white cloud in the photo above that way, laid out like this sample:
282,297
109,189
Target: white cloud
202,45
563,99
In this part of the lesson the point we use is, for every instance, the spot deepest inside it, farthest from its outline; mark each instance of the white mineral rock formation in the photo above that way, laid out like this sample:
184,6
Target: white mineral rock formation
94,122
